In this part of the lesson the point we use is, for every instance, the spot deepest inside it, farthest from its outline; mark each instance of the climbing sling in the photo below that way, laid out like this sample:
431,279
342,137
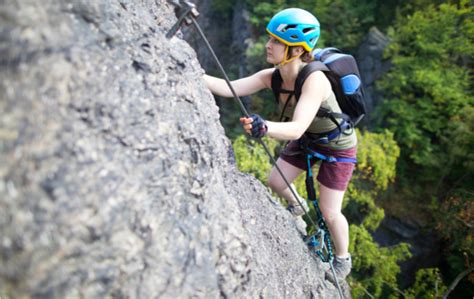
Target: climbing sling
187,13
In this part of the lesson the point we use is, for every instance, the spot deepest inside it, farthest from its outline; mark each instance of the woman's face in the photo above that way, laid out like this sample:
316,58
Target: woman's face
275,50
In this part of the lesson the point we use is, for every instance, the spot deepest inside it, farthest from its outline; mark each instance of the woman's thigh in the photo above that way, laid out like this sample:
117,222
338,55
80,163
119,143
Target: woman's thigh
330,200
275,180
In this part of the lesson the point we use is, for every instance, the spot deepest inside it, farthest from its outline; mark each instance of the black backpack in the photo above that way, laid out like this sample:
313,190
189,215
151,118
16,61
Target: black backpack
343,73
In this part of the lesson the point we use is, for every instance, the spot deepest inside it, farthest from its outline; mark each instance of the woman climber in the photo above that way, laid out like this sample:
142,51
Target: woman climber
293,34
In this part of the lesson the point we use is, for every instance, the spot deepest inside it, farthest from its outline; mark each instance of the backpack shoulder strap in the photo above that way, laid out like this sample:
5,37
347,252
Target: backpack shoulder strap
303,75
276,84
305,72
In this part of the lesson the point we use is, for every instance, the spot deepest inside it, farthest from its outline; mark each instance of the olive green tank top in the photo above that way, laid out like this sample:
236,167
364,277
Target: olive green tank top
324,124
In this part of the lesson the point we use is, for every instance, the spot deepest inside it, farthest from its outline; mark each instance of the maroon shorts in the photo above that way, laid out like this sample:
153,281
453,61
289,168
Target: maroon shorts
335,175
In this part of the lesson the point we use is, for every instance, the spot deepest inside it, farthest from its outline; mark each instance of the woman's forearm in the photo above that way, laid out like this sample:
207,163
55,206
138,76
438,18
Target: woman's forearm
242,87
218,86
285,130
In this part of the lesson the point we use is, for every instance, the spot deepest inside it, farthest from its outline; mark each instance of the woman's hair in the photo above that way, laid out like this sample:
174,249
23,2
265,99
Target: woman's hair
305,57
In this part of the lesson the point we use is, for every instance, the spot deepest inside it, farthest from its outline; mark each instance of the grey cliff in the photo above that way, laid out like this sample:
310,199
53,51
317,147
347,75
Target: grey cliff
116,178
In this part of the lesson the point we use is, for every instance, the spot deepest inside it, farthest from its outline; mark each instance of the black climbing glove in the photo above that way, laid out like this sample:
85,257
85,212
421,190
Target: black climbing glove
259,126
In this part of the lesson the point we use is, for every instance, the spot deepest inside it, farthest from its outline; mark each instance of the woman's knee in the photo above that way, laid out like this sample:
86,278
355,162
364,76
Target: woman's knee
275,180
274,183
330,215
331,203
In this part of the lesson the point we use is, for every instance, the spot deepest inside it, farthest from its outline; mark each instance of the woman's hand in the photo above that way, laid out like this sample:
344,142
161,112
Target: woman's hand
246,124
254,125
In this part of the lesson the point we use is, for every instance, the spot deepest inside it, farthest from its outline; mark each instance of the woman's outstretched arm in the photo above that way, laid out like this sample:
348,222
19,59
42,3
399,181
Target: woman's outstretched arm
243,87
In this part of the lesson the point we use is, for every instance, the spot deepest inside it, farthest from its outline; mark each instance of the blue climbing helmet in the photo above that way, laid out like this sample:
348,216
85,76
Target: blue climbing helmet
295,27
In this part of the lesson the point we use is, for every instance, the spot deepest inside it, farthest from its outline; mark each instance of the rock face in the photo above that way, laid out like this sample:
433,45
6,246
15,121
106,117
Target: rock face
372,66
229,36
228,33
424,246
116,178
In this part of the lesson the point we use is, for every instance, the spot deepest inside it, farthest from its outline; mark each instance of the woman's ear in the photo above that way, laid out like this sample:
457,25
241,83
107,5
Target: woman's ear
298,50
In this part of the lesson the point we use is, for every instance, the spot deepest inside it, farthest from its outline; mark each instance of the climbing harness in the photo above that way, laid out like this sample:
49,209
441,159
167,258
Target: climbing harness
187,13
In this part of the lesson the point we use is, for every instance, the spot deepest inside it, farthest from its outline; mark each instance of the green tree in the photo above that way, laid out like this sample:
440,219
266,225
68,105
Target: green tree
429,284
428,85
375,268
428,104
376,169
454,211
252,158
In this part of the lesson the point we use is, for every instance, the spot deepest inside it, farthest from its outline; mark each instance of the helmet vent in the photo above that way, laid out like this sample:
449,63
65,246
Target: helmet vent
287,27
308,30
294,36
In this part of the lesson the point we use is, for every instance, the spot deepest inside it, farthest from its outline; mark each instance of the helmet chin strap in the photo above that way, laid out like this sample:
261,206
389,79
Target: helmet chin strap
285,60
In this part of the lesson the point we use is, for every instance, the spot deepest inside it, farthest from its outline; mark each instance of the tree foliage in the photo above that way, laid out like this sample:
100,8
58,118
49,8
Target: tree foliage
428,86
376,160
429,284
252,158
375,269
429,107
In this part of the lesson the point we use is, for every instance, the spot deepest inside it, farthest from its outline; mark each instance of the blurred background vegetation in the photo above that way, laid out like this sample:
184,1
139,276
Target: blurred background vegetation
416,159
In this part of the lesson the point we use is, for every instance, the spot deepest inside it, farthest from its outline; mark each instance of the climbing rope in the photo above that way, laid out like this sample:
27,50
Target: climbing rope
187,13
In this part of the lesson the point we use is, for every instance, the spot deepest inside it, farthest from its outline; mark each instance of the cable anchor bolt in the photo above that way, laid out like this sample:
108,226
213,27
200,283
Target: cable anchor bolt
185,11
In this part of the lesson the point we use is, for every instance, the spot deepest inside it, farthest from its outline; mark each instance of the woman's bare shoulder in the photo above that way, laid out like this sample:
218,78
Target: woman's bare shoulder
317,81
265,76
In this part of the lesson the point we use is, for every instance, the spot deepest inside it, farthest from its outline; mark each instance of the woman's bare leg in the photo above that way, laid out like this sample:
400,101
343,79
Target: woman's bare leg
331,206
277,184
